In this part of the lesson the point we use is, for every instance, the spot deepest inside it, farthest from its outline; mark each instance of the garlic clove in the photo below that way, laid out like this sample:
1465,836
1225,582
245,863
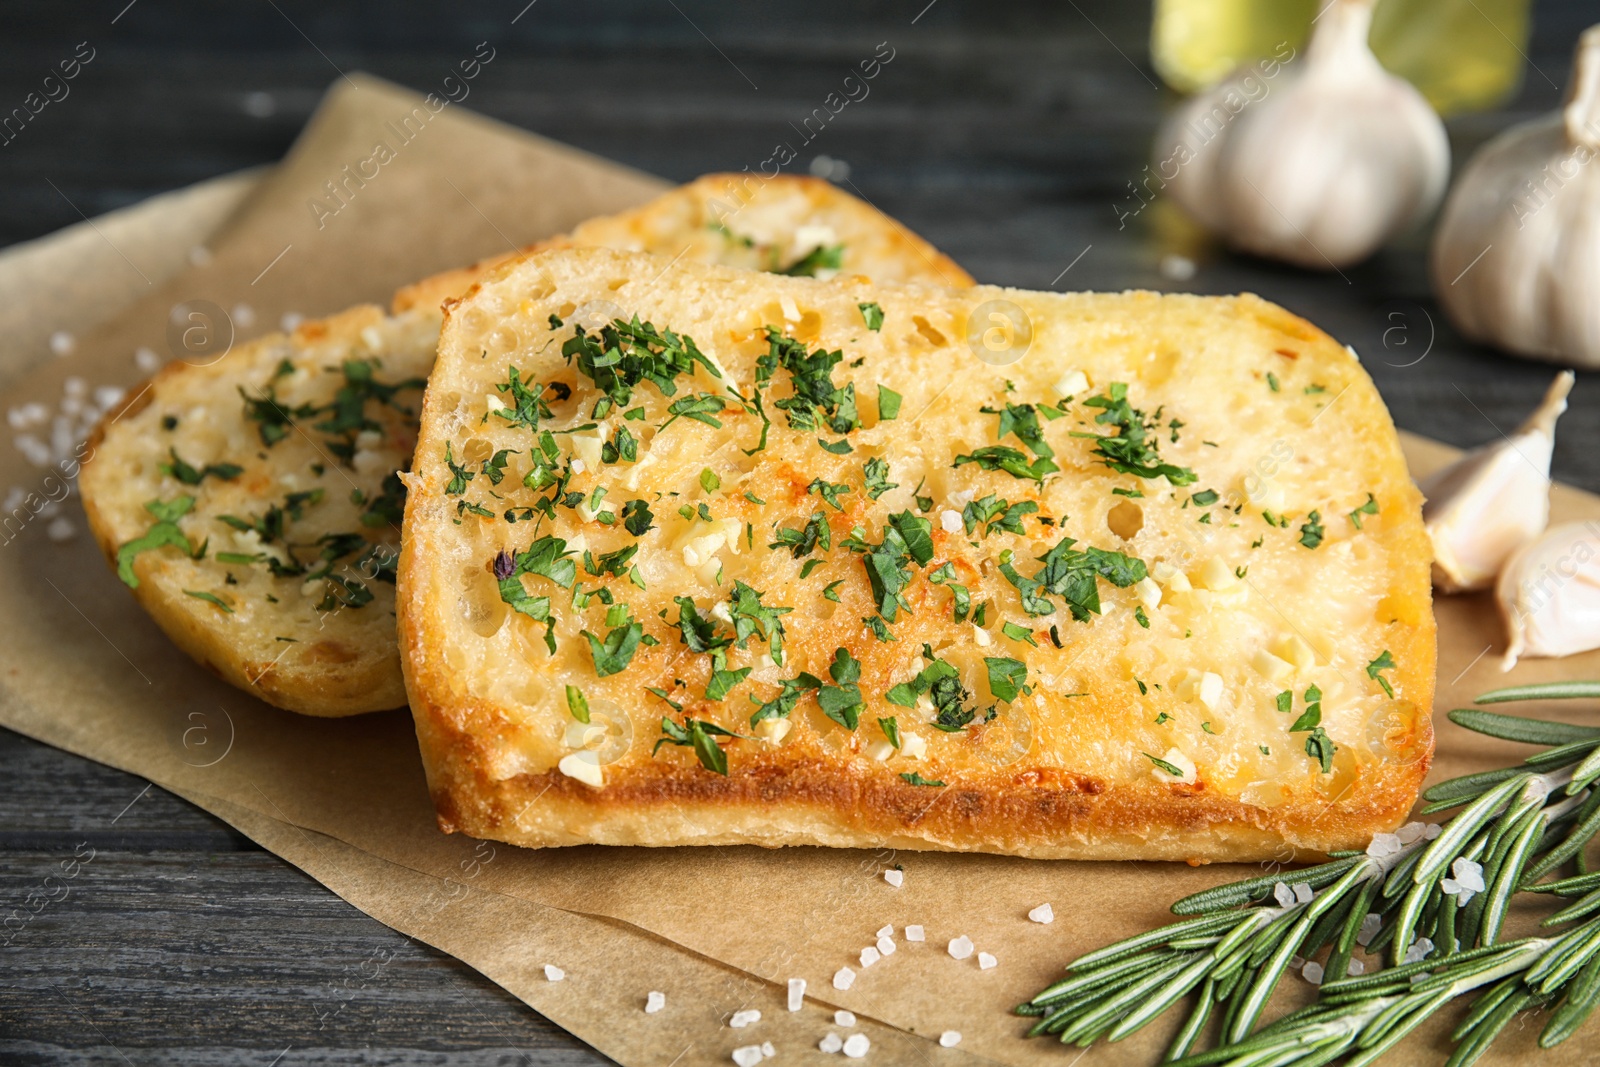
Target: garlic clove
1549,594
1494,499
1516,256
1317,162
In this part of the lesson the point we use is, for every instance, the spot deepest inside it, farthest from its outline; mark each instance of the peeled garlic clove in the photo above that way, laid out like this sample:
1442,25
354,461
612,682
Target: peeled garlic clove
1493,500
1516,257
1549,594
1317,162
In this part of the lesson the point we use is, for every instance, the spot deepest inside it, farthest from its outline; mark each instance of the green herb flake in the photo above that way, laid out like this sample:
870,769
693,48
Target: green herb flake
1312,532
577,704
1164,765
872,315
913,778
1369,508
1384,662
209,598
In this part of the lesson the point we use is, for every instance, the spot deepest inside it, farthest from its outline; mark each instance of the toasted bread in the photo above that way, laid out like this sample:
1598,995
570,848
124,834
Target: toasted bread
342,660
1111,576
783,224
252,505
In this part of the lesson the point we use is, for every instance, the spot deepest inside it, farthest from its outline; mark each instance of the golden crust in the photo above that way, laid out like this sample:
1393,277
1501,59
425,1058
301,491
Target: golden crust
489,745
773,212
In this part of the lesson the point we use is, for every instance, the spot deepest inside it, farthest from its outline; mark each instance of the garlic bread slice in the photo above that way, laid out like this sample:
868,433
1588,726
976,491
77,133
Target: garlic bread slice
785,224
253,505
717,557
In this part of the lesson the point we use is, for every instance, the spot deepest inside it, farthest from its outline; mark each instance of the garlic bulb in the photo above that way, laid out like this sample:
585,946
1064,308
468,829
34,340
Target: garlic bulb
1516,260
1549,594
1494,499
1318,162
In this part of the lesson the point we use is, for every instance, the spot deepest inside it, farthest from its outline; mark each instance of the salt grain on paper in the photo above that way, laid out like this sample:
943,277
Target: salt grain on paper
747,1056
844,978
554,973
894,877
886,946
767,1050
146,360
844,1018
61,530
961,947
831,1042
742,1019
1044,913
869,956
914,933
950,1039
1357,967
654,1002
856,1045
797,993
886,931
63,343
986,961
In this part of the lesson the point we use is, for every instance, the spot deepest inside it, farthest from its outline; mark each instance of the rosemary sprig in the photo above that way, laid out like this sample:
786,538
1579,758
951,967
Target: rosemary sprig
1432,899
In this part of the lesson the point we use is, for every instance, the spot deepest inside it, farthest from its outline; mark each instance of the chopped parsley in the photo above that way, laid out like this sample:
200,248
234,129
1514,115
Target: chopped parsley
1132,450
1010,460
1205,497
1006,676
942,684
189,475
816,402
615,652
528,403
823,257
1369,508
842,701
803,542
709,480
1071,574
1164,765
993,514
875,478
698,735
1023,421
1320,747
945,574
829,491
164,531
1312,532
209,598
913,778
577,704
1384,662
888,403
872,315
891,730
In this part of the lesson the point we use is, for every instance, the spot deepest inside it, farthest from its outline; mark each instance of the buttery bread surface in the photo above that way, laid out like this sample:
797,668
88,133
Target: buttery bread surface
1106,576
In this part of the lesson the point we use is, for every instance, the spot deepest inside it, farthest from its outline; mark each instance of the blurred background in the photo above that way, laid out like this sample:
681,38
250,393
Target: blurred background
1013,136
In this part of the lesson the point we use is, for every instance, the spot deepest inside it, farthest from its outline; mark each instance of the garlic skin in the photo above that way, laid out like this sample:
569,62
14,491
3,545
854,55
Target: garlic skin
1516,259
1549,594
1493,500
1318,165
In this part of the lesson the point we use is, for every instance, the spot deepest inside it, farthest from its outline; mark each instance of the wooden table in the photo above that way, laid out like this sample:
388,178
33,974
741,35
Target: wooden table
1007,137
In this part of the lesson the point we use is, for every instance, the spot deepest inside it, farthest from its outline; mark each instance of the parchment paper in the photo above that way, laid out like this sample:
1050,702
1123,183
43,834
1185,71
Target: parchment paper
716,929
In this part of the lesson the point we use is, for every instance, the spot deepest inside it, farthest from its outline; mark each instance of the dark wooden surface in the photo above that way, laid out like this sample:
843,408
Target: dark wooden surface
1004,133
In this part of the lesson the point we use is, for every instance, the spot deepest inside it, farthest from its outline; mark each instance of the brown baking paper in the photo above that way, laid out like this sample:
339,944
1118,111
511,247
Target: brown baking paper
715,929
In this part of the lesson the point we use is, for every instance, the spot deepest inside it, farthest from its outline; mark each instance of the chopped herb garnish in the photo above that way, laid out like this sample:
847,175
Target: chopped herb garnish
875,478
1164,765
914,778
1139,617
945,574
1205,497
1286,701
1006,676
709,480
838,448
1018,633
637,518
995,514
1272,382
697,734
1320,747
831,590
888,403
164,531
616,651
620,356
823,257
816,402
1071,574
829,491
1384,662
577,703
803,542
872,315
209,598
189,475
1010,460
1311,532
1132,450
1369,508
842,701
942,683
1023,421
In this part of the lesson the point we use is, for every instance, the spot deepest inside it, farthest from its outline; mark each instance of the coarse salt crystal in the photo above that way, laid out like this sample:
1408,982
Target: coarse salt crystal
894,877
747,1055
767,1050
950,521
1044,913
1383,845
1302,892
797,993
914,933
1357,967
742,1019
869,956
1419,951
554,973
62,343
986,961
950,1039
1410,832
885,931
1434,830
856,1045
1469,874
244,315
831,1042
1283,895
886,946
1312,972
146,359
1370,925
654,1002
844,978
290,321
844,1018
61,530
961,947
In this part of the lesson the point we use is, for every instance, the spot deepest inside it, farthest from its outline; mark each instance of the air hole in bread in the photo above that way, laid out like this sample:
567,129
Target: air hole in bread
1125,520
927,330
